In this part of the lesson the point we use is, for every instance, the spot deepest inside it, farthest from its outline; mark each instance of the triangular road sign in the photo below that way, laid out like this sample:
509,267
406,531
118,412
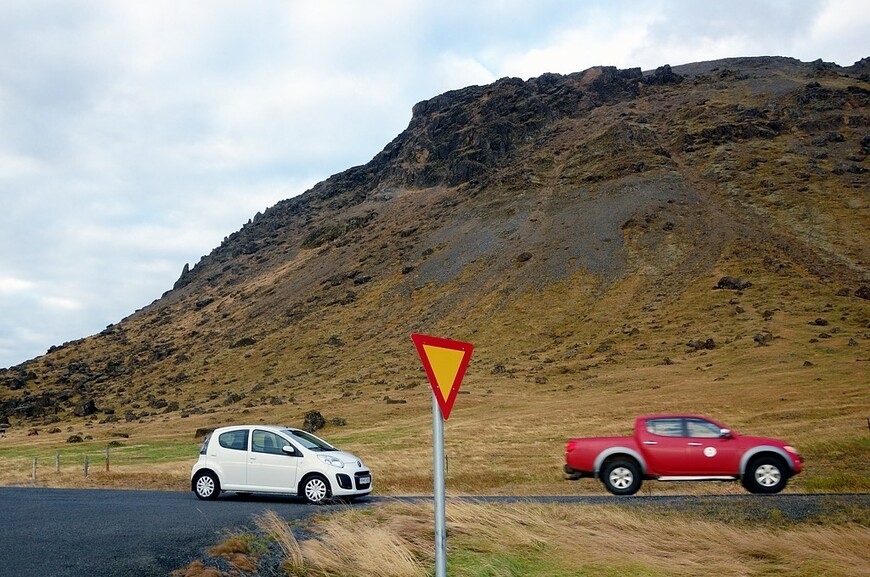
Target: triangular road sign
445,362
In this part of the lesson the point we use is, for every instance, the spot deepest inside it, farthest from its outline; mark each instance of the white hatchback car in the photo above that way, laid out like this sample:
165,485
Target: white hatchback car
268,459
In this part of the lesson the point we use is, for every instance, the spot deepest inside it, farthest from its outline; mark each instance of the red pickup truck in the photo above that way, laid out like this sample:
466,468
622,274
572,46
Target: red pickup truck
682,448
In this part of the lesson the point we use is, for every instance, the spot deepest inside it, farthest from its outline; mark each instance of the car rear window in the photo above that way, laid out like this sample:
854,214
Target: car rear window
237,440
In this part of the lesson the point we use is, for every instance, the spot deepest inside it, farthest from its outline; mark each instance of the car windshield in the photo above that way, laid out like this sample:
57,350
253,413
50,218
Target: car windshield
309,441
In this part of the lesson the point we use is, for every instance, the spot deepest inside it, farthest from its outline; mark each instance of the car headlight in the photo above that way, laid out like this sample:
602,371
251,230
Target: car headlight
332,461
791,450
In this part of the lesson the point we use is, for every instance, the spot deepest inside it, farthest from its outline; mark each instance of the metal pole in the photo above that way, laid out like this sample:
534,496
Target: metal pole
438,467
57,461
33,473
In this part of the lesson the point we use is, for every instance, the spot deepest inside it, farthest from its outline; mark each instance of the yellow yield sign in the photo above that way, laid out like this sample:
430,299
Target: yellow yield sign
445,362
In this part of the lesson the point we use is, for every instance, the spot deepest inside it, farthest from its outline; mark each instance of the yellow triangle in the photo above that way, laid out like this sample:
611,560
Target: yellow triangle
445,366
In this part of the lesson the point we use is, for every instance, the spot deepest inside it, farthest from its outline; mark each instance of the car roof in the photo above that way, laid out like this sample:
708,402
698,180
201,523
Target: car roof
273,428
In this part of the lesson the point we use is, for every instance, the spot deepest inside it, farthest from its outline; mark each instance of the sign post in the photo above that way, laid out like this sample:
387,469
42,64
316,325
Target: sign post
445,362
439,490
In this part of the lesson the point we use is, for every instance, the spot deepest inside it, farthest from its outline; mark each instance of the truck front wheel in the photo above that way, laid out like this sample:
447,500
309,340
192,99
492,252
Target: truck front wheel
765,475
621,477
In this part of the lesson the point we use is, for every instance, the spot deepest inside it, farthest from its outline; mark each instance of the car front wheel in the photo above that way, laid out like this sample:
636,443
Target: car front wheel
766,475
622,477
207,486
316,490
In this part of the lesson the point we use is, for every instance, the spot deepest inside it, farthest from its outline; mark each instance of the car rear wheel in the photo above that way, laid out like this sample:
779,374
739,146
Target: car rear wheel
206,486
621,477
316,490
765,475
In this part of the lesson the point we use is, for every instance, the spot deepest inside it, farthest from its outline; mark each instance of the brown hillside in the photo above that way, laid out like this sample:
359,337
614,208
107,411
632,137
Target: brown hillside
573,227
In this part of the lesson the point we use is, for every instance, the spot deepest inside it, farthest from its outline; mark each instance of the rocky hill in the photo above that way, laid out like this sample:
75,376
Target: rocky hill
567,225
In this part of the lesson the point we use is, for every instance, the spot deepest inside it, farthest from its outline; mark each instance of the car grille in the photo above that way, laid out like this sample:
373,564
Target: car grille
358,480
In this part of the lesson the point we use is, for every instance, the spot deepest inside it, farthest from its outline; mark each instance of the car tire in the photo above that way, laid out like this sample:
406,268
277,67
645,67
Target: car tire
765,475
206,486
622,477
315,489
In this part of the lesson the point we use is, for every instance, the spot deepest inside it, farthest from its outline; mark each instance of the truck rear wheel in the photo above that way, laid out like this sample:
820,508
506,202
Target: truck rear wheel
621,477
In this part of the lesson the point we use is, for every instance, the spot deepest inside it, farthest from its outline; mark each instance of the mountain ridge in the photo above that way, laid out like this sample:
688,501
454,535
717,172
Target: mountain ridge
565,222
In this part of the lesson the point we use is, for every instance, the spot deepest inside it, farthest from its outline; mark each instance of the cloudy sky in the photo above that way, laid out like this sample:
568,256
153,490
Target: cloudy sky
136,135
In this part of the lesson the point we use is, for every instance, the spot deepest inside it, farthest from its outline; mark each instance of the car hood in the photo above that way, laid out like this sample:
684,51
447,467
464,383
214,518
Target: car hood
345,457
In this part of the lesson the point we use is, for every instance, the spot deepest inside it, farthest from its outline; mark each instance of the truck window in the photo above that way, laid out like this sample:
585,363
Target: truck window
665,427
702,429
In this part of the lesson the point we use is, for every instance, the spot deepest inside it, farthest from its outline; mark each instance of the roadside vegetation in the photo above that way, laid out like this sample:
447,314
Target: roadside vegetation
552,540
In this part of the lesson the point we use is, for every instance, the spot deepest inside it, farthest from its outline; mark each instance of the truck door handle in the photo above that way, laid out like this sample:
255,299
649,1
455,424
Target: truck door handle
650,443
695,444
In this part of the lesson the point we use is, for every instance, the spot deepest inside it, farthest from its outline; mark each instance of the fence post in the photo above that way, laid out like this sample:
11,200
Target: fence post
57,461
86,466
107,458
33,472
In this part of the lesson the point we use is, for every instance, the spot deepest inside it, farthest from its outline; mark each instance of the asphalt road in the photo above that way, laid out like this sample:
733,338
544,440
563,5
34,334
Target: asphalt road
74,532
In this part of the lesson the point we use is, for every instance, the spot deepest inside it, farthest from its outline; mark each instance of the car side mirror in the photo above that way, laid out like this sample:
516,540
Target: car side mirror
726,434
288,450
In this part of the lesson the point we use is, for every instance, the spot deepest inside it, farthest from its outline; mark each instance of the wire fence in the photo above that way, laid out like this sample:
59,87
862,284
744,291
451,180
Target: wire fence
85,460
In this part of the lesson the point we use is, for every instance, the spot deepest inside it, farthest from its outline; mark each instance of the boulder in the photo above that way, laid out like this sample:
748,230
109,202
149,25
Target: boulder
732,283
313,421
85,408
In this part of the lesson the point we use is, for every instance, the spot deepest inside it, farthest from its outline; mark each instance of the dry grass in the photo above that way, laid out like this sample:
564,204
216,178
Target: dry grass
271,524
546,539
381,550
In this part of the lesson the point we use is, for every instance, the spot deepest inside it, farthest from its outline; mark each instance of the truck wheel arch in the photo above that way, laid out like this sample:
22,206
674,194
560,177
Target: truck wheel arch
616,452
761,451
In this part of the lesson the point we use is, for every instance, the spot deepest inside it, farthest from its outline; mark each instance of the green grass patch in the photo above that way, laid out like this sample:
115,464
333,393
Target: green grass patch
836,466
468,563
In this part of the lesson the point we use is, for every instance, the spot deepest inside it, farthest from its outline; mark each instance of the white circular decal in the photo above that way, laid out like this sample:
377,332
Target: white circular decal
710,452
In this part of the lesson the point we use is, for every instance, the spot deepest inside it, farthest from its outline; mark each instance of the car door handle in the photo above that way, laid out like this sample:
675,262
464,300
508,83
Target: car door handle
650,443
253,458
695,444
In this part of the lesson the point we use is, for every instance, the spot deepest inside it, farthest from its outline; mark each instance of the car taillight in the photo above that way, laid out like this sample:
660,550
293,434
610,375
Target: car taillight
570,446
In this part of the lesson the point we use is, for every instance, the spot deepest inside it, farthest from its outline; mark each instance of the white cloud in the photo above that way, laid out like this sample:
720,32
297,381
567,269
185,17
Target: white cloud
11,285
56,303
597,40
840,32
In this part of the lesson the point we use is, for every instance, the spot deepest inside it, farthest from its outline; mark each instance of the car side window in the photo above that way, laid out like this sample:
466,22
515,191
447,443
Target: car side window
702,429
267,442
665,427
236,440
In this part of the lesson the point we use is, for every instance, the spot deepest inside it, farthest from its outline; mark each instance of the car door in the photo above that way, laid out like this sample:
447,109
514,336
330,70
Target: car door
270,469
663,443
230,456
708,453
